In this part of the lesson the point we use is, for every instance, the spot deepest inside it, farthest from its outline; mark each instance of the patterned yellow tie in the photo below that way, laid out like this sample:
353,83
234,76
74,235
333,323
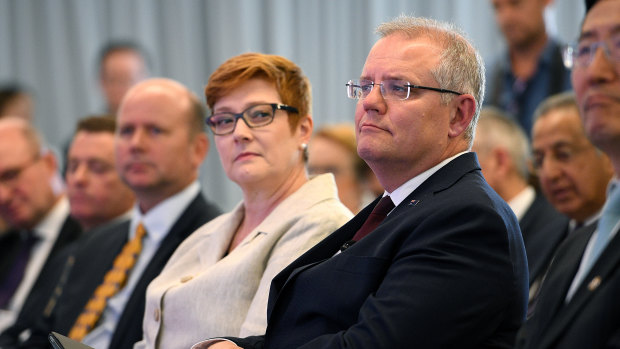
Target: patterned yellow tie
113,282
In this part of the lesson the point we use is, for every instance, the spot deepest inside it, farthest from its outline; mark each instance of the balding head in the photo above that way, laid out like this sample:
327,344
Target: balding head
160,141
27,174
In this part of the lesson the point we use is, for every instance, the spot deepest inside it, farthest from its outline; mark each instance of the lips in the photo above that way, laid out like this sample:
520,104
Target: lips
561,194
367,126
597,100
245,155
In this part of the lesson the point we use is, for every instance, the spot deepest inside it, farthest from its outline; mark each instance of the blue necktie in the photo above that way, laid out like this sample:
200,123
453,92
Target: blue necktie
609,218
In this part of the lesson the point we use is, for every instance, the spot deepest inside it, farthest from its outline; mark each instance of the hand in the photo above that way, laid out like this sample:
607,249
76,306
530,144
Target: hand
224,345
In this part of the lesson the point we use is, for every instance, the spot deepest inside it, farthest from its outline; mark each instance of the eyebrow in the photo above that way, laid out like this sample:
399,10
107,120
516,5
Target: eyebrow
592,32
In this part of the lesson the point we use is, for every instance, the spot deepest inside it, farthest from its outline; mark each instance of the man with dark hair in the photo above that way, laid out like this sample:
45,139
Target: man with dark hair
578,306
121,64
531,68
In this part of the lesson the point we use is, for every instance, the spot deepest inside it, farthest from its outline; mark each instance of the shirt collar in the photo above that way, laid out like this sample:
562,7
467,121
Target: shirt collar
49,228
159,220
522,201
401,193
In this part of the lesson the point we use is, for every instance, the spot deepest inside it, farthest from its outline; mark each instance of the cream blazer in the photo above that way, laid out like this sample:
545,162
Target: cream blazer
202,292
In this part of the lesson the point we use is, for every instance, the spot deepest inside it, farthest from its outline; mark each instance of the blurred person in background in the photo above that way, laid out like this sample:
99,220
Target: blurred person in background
531,67
33,202
504,153
333,149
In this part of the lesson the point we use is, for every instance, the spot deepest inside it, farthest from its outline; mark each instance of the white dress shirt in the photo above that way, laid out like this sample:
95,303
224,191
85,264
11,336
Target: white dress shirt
158,221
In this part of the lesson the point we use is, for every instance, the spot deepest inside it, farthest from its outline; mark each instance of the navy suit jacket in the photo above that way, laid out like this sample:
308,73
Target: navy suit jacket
592,316
94,258
543,230
70,231
446,268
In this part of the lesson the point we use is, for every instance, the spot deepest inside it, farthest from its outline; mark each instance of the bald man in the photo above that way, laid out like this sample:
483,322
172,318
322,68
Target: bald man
160,144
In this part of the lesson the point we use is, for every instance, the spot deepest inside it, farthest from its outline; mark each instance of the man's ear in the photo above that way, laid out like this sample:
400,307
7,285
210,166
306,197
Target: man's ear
462,112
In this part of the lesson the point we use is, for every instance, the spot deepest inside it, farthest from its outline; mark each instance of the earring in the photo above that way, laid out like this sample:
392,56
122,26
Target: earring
304,149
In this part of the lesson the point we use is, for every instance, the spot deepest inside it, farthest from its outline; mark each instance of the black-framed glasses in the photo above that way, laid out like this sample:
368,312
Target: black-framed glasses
390,89
258,115
581,54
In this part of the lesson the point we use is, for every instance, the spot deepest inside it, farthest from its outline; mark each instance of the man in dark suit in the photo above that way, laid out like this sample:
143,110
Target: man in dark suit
578,305
97,197
503,151
32,201
160,144
447,267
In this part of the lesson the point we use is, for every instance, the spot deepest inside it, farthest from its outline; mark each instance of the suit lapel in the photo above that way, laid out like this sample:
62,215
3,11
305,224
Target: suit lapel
601,271
441,180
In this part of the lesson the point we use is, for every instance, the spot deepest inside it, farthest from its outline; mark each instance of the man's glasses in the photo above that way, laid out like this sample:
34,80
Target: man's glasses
581,54
10,176
390,89
255,116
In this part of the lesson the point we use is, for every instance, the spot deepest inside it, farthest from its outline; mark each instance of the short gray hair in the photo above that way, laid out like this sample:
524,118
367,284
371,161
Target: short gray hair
460,68
496,129
564,100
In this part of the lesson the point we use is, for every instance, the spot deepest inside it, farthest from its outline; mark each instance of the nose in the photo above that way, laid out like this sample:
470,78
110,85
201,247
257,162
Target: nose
375,101
80,175
137,140
5,192
550,169
601,69
242,131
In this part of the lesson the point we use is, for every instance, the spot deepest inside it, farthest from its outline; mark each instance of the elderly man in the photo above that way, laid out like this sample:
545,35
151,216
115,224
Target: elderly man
160,144
503,151
561,152
446,268
32,201
578,306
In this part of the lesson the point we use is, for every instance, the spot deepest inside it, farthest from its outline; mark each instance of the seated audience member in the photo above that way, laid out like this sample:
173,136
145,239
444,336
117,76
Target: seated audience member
160,143
503,151
97,197
578,306
333,149
573,173
16,101
446,268
122,64
33,202
217,281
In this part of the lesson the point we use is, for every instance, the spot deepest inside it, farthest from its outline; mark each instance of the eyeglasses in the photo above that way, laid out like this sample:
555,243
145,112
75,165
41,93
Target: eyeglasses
581,54
255,116
390,89
10,176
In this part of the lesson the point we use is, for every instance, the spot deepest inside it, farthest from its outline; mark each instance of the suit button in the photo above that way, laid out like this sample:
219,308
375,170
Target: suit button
156,315
186,278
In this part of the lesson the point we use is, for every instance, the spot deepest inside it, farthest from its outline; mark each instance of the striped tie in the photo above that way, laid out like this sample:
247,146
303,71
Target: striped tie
113,282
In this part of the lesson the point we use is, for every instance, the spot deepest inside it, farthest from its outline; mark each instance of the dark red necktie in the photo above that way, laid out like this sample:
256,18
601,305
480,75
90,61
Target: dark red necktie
378,214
